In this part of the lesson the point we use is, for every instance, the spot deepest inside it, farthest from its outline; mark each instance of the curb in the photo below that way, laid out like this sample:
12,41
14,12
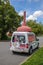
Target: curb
5,41
25,59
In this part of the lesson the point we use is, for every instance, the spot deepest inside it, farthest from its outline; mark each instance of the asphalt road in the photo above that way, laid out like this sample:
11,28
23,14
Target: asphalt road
6,56
40,41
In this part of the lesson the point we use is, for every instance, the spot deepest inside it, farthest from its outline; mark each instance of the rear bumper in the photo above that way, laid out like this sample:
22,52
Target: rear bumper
19,49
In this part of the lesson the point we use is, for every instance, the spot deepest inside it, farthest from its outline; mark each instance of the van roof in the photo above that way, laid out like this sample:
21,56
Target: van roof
23,32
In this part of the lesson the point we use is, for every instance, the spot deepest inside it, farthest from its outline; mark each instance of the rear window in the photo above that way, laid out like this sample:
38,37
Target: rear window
31,38
18,38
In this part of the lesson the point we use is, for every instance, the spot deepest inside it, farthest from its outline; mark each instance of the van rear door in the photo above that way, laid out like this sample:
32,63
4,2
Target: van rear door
18,41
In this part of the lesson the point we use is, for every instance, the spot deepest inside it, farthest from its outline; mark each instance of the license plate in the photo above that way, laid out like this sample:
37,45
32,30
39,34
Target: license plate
21,49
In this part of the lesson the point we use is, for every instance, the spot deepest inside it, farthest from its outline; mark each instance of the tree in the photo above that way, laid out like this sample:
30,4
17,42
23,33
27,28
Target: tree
9,18
37,28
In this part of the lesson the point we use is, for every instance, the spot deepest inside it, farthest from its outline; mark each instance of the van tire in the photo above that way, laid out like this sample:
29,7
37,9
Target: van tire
13,52
30,50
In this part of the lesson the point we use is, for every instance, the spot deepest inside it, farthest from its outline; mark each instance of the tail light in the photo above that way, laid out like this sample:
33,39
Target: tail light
24,45
27,45
10,44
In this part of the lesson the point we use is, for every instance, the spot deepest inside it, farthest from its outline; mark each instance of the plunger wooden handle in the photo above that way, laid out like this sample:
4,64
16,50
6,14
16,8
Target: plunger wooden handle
24,18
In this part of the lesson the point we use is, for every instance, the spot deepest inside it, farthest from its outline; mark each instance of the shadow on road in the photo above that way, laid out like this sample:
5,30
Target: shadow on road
20,54
23,54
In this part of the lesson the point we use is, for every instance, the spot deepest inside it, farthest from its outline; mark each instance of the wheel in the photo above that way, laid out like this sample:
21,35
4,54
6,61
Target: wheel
13,52
30,51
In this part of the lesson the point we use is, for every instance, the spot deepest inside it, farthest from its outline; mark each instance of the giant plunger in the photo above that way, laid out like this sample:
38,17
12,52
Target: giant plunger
24,27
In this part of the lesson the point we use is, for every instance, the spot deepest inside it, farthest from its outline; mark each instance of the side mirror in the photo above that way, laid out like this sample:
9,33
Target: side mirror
37,39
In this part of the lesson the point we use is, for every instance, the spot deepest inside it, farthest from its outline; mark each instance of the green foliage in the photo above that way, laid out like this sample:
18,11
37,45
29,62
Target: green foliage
9,18
37,28
36,58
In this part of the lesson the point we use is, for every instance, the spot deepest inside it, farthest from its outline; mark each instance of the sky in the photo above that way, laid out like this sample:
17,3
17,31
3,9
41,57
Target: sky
33,8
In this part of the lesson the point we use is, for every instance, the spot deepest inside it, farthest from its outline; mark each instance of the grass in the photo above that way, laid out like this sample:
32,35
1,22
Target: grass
36,58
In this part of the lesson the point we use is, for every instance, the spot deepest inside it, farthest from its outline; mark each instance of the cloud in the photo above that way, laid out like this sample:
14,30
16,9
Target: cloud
21,13
35,15
31,17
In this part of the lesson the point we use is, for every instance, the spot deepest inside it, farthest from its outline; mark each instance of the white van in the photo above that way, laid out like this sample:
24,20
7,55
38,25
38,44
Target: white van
23,42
